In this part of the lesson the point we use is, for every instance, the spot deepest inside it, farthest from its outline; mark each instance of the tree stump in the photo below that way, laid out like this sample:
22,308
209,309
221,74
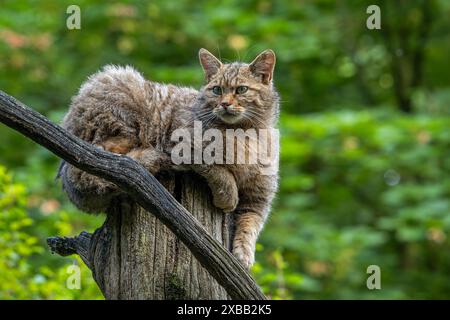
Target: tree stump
134,256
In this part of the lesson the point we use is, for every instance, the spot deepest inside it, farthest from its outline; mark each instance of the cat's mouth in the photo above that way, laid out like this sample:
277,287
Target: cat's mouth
230,115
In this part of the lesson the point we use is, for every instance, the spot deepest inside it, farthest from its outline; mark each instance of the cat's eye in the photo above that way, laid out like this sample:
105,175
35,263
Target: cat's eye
217,90
241,89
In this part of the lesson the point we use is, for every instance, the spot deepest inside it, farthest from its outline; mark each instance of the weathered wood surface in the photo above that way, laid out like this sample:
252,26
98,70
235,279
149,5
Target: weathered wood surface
134,256
142,188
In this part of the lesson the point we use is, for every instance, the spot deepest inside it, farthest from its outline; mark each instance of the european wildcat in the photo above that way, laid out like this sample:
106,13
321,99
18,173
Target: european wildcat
119,111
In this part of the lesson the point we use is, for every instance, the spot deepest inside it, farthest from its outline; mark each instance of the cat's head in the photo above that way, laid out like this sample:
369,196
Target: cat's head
238,94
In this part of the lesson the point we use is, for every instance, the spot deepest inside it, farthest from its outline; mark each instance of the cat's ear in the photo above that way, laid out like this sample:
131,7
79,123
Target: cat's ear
209,62
263,65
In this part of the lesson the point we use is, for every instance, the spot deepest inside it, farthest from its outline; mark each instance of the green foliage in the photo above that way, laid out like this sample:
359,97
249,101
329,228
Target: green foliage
22,275
359,189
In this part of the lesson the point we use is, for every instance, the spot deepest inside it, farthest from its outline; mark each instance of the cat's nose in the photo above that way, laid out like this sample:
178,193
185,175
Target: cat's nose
225,105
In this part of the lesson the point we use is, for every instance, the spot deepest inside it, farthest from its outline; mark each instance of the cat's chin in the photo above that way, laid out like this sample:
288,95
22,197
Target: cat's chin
231,118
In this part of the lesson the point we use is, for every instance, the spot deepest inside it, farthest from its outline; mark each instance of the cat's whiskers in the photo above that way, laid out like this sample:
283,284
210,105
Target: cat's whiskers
258,114
207,119
252,116
255,114
197,116
201,113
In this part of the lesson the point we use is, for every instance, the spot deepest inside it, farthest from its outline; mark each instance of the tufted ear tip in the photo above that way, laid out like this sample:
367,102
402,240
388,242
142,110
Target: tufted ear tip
269,55
269,51
203,51
263,65
209,63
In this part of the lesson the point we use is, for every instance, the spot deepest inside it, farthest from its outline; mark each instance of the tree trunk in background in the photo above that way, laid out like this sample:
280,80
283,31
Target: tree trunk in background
134,256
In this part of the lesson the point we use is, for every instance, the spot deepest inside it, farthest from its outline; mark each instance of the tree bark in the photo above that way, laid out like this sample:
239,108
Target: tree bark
120,252
134,256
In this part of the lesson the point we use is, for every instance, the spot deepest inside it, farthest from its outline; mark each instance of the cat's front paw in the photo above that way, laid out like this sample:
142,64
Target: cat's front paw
227,200
245,255
152,159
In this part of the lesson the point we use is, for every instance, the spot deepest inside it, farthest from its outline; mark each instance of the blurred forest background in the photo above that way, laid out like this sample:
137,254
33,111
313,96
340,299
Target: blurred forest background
365,166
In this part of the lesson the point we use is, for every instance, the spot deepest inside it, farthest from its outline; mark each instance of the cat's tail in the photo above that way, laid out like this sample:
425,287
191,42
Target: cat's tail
87,192
106,112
